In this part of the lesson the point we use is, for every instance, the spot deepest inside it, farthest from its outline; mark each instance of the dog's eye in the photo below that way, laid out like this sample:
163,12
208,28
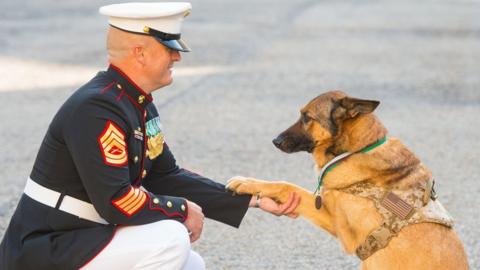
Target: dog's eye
305,118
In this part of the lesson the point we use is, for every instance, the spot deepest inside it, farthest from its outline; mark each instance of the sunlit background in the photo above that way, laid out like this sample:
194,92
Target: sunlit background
254,64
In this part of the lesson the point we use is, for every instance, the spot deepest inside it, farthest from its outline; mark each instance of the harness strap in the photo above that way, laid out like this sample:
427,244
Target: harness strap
398,209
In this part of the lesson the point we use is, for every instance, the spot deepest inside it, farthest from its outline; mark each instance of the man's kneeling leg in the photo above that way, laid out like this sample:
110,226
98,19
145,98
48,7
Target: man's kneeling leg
160,245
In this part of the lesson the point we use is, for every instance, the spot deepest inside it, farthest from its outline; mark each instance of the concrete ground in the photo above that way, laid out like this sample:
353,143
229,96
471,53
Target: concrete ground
253,65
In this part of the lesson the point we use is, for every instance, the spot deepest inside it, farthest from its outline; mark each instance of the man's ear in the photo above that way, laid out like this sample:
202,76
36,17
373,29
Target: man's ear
139,54
355,106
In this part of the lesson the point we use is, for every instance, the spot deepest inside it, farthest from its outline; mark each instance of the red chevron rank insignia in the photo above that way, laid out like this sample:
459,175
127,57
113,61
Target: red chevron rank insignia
113,146
131,202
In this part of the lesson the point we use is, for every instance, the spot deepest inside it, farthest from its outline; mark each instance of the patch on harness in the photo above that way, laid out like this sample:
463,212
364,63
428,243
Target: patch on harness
397,206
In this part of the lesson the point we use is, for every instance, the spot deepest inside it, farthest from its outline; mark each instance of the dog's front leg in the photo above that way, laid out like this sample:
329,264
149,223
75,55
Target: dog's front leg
280,191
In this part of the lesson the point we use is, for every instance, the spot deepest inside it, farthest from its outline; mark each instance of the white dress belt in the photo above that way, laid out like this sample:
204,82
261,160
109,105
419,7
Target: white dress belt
69,204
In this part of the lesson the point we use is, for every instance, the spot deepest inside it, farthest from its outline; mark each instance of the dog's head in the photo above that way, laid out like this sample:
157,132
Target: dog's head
324,123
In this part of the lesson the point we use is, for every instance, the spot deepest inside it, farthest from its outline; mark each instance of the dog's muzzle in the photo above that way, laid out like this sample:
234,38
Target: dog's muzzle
289,144
278,142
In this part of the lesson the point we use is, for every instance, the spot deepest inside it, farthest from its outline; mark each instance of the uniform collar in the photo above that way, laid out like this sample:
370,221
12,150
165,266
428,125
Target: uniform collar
136,95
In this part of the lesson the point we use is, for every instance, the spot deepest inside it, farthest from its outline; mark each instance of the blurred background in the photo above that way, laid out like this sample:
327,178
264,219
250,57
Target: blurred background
254,64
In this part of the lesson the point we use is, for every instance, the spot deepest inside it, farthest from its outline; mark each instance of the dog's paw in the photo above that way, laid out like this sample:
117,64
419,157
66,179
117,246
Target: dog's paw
242,185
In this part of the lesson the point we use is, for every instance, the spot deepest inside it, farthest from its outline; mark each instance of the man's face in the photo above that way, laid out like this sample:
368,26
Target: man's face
160,64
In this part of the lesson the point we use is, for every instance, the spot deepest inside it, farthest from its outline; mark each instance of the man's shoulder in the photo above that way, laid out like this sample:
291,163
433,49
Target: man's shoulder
100,87
100,91
100,97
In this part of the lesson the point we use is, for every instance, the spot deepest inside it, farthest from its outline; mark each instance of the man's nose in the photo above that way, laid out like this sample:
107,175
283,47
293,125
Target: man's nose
176,56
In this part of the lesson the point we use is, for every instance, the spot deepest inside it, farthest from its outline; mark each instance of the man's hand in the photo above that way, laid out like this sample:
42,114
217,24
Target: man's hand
194,222
287,208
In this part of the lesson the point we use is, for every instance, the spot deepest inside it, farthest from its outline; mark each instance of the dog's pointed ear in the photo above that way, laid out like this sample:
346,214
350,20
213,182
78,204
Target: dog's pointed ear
356,106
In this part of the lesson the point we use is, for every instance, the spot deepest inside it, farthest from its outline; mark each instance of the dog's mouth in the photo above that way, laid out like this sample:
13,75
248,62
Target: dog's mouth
293,144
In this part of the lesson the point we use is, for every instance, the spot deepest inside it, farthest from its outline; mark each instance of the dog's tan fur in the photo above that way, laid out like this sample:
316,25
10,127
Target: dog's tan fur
350,218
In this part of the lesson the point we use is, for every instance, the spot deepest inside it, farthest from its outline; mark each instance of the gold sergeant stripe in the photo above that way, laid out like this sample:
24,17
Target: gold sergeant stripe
130,198
132,201
139,204
112,135
113,139
129,194
113,146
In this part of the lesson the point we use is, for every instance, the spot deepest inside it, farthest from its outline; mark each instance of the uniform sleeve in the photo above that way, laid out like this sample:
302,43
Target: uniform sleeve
167,178
96,137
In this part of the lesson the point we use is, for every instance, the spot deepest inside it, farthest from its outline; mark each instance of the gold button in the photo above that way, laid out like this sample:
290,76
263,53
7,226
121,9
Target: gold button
135,159
156,200
146,29
141,99
119,86
144,173
183,207
169,204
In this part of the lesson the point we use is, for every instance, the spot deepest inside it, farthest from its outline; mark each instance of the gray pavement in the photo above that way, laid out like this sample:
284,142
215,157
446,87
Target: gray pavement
254,63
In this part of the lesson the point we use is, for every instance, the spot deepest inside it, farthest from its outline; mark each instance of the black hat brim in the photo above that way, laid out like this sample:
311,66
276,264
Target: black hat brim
174,44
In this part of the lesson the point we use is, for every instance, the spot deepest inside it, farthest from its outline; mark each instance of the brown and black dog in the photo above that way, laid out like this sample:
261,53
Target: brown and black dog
332,124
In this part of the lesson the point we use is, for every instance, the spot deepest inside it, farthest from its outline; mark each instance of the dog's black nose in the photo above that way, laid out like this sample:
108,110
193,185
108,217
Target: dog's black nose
278,141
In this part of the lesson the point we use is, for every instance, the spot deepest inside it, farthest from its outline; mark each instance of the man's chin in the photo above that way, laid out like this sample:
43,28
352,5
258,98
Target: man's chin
165,83
169,81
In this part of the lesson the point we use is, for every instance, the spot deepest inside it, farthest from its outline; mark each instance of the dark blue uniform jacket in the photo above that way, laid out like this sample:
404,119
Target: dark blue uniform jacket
103,144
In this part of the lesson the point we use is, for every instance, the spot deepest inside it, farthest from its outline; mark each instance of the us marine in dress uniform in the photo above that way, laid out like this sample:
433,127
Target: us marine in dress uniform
105,191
